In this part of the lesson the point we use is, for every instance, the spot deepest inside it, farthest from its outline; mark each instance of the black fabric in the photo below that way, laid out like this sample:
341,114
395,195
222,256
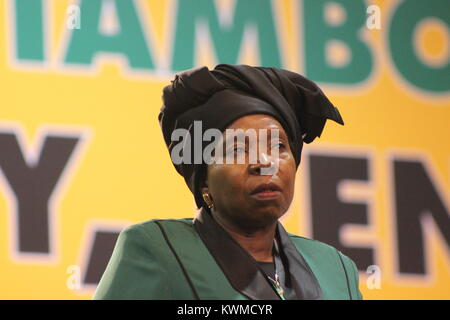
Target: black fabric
268,268
242,270
220,96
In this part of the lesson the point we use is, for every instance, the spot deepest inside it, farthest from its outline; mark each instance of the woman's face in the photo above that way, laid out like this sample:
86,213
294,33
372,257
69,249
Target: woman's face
249,196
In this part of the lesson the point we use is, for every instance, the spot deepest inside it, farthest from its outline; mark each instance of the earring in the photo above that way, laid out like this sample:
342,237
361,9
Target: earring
208,200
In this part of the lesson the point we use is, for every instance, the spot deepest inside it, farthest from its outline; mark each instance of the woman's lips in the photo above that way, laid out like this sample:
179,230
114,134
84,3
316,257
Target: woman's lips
266,195
266,191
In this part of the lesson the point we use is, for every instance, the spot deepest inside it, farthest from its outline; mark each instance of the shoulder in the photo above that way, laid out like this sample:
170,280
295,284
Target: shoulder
153,222
155,234
155,226
145,242
307,245
326,260
141,265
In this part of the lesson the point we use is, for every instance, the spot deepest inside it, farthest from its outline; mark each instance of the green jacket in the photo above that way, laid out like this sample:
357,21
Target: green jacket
196,259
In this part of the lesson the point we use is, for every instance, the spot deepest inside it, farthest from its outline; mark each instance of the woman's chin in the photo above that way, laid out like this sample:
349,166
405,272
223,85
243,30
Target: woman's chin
264,217
269,209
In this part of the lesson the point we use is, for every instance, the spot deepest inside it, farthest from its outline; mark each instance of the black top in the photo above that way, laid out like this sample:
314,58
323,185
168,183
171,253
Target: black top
268,268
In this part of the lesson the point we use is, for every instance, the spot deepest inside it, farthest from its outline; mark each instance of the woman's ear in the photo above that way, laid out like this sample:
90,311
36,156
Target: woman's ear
204,187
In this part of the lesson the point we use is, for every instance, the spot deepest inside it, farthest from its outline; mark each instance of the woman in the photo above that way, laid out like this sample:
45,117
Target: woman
235,248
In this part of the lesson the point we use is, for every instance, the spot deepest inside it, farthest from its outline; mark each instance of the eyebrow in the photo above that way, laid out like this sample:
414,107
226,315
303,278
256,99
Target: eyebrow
235,140
282,134
238,138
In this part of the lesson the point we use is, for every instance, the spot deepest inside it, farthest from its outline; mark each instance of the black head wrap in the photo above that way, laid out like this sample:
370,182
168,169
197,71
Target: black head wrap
219,97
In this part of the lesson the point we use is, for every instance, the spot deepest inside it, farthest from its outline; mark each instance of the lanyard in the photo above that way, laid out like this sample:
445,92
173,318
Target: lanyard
279,282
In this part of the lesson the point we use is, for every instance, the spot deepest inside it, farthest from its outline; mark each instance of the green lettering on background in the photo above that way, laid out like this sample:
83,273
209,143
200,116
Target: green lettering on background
227,40
87,42
317,33
401,42
29,30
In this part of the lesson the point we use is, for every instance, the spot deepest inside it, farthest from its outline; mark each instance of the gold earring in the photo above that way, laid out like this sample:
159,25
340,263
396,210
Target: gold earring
208,200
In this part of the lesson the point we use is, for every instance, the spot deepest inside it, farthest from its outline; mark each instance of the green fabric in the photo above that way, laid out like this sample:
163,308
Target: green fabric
326,265
143,266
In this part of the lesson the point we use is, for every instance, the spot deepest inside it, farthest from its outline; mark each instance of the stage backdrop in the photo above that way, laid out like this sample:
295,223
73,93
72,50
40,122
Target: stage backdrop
82,155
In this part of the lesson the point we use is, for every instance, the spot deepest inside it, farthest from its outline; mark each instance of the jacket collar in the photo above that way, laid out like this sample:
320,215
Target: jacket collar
242,270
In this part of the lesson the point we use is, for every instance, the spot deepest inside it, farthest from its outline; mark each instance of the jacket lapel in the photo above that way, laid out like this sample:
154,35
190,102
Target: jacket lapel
301,278
237,265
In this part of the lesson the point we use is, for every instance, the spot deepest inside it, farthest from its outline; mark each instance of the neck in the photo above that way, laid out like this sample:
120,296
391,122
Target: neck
258,243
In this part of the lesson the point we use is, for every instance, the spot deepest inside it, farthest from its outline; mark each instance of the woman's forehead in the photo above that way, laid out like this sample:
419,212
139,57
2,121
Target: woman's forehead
254,125
256,121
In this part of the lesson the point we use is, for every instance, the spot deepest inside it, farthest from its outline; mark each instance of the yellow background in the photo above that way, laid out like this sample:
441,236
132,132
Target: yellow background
122,173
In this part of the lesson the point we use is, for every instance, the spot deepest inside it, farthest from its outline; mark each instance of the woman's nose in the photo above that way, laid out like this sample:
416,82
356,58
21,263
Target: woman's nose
266,165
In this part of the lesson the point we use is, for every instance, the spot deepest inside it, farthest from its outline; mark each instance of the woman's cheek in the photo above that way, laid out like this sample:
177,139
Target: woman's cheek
286,161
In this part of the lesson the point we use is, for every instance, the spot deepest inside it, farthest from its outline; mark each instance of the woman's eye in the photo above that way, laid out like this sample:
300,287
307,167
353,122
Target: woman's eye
279,145
239,150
